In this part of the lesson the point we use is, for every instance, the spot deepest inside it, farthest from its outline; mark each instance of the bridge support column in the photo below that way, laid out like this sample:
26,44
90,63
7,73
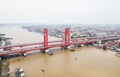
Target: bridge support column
67,36
46,37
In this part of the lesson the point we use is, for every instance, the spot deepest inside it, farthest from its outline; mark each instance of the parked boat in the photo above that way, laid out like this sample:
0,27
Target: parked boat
118,54
19,72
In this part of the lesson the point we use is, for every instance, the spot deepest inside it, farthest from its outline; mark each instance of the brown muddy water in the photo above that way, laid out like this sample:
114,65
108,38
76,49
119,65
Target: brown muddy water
84,62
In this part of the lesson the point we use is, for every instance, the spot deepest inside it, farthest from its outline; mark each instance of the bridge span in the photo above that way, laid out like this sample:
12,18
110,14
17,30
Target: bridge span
20,50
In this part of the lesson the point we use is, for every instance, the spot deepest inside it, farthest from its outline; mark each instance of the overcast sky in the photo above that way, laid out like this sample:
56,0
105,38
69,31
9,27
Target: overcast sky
60,11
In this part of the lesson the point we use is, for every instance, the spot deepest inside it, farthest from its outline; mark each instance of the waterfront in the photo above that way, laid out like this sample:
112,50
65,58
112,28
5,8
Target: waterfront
84,62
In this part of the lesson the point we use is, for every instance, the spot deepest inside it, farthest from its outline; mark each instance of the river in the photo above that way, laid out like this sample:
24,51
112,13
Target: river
21,35
84,62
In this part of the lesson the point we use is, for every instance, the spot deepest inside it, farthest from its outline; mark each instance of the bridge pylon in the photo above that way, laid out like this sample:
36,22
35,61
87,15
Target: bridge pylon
45,37
67,36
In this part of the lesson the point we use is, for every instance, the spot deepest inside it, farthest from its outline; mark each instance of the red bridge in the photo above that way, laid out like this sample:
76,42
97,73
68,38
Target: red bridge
20,50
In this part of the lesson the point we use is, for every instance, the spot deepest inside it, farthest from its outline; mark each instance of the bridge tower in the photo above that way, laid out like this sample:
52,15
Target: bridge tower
45,37
67,36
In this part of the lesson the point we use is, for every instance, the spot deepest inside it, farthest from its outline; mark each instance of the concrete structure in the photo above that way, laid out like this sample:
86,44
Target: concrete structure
4,68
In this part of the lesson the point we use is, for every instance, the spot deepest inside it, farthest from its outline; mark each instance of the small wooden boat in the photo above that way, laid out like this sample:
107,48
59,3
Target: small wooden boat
118,54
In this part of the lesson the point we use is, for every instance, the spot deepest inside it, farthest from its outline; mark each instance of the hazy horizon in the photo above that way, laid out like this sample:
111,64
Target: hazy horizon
60,11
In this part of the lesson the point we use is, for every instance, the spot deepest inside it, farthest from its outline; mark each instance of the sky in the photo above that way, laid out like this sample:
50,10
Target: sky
60,11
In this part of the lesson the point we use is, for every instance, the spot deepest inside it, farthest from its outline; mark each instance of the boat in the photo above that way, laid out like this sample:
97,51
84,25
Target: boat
118,54
72,49
19,72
